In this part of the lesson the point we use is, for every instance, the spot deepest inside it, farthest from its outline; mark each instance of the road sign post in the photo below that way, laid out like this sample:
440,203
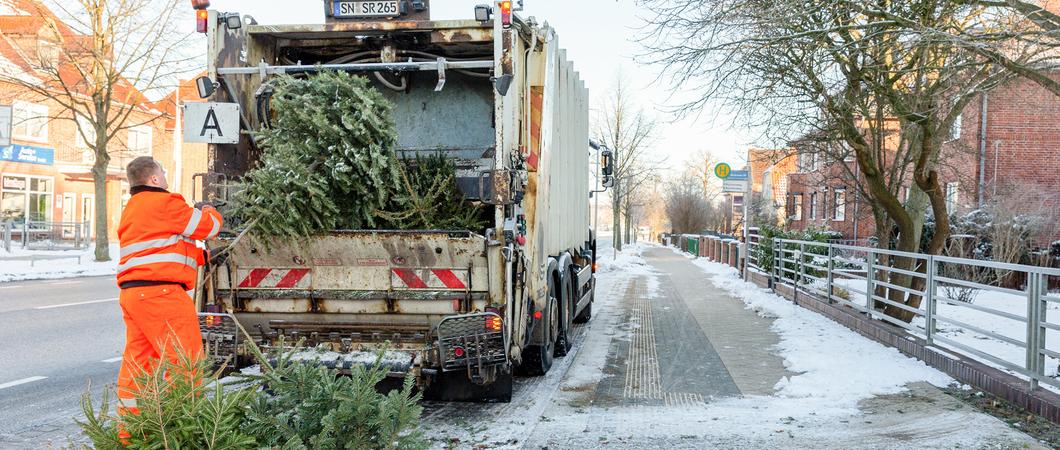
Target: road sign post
735,182
722,170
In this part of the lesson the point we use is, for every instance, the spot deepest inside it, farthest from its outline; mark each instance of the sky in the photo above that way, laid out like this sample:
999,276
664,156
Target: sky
599,36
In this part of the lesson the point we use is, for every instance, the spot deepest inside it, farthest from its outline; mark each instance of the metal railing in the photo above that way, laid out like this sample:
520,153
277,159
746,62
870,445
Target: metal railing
886,283
39,235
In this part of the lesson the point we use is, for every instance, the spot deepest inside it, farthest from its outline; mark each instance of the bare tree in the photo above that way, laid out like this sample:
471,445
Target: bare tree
690,207
691,198
840,68
628,131
113,52
1018,217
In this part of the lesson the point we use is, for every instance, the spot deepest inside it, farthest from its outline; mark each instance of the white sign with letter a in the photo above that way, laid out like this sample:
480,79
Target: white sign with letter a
211,123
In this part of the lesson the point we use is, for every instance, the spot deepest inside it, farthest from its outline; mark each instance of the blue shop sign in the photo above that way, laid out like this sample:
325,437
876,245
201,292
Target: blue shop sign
27,154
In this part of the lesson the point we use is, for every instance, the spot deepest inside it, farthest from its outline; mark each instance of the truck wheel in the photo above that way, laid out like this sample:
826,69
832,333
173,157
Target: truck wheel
537,359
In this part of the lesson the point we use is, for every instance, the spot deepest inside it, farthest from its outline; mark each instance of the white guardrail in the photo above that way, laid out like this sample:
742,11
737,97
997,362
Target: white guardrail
1008,328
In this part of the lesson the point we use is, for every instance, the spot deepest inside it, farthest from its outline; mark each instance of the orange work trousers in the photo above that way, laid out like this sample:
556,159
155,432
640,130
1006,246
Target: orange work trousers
159,320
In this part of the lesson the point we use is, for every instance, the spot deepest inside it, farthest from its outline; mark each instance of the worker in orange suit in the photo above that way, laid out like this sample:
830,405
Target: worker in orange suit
159,263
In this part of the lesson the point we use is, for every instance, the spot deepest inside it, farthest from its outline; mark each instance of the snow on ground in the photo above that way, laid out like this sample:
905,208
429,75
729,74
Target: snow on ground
1006,303
837,399
612,279
46,269
995,323
836,367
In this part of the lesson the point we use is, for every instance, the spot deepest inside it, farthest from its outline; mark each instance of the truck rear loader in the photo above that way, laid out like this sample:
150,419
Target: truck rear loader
460,310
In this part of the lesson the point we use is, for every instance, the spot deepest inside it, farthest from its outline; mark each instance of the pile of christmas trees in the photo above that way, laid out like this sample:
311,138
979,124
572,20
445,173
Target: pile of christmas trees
329,163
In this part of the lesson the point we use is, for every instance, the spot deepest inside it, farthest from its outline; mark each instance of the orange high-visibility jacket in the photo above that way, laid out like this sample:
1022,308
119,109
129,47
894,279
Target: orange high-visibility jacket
157,235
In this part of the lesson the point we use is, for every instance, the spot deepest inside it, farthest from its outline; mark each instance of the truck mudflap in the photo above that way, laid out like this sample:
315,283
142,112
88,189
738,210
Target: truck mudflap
473,343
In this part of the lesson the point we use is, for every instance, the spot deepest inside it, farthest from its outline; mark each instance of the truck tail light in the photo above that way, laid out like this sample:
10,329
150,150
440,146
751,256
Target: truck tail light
506,13
202,20
494,323
200,4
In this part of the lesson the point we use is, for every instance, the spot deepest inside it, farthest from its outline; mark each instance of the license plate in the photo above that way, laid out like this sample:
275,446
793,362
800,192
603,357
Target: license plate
373,8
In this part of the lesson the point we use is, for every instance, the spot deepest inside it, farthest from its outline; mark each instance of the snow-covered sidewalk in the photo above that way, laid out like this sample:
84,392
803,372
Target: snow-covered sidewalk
15,266
841,389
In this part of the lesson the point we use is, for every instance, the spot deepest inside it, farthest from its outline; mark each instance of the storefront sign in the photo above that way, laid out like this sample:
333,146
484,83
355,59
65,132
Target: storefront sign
15,183
28,155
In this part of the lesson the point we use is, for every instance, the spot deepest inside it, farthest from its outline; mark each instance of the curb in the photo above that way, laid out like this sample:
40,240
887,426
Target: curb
1039,401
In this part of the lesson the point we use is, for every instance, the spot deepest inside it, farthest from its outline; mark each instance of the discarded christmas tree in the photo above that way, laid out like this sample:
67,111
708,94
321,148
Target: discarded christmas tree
429,199
329,163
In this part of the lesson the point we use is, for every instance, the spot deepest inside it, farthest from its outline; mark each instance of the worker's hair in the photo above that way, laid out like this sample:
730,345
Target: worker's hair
141,169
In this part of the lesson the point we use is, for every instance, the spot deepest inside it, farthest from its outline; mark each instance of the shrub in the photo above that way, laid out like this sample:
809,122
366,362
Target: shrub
289,406
764,252
187,411
311,406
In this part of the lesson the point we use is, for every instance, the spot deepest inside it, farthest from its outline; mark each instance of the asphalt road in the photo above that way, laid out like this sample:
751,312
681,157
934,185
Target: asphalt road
59,338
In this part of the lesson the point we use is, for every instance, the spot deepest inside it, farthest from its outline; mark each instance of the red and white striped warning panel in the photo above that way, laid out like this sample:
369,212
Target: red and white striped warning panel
428,279
274,278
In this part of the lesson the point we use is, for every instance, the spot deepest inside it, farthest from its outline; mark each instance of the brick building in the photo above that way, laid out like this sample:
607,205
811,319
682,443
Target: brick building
769,170
1004,148
45,176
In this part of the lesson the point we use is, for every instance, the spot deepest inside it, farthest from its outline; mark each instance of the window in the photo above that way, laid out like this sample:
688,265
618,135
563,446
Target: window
48,54
813,206
796,210
807,162
848,152
737,201
840,209
140,141
86,133
25,198
955,129
952,196
30,122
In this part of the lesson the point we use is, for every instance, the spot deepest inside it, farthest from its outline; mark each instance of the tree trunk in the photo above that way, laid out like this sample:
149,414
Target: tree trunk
99,181
930,185
629,225
616,216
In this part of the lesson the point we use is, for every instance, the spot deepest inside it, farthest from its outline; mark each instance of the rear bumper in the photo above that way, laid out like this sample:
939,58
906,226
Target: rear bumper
264,294
472,342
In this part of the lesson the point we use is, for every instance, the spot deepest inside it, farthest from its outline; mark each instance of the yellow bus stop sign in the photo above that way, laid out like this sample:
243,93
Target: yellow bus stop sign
722,170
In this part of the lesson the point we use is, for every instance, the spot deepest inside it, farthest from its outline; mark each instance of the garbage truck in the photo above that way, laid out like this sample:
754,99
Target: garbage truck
461,311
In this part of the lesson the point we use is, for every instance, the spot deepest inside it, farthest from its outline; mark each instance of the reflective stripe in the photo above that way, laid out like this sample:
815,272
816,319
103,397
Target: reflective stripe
196,216
157,243
160,258
216,228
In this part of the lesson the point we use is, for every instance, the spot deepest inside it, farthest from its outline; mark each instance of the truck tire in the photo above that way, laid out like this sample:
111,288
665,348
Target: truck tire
537,359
